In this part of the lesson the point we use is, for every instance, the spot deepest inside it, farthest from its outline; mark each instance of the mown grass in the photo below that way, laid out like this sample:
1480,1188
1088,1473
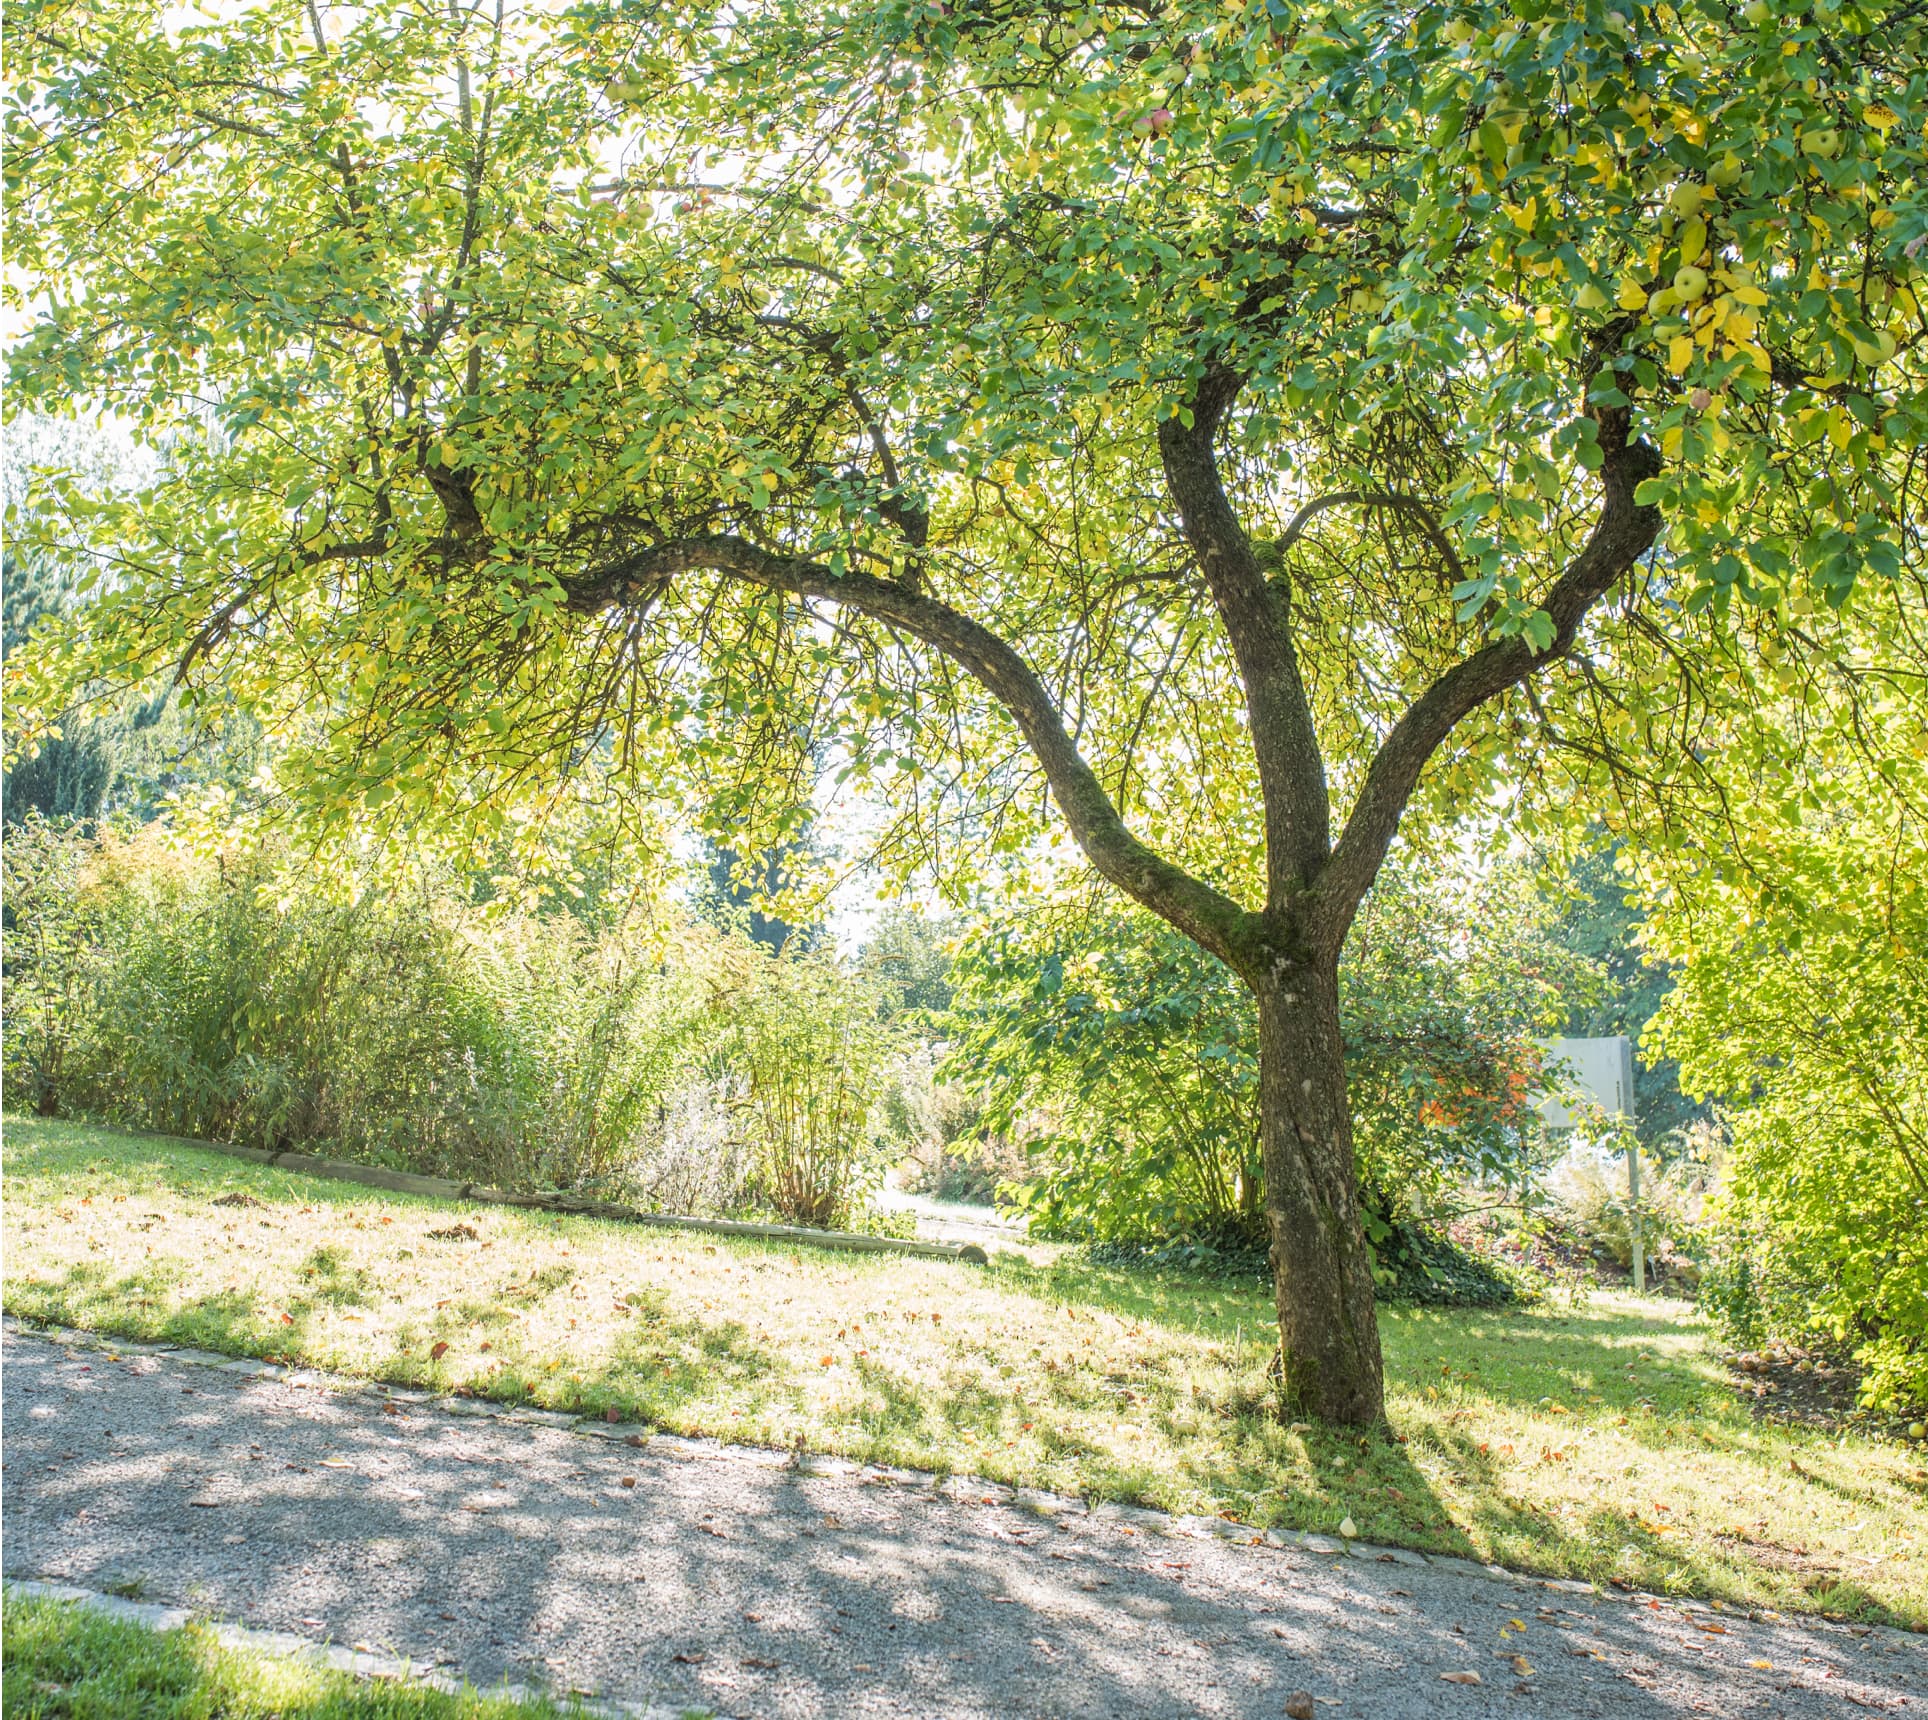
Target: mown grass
67,1663
1601,1441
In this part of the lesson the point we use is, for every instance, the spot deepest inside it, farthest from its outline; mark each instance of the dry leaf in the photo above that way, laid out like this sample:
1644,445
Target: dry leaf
438,1352
761,1665
1521,1666
695,1658
1298,1706
1461,1678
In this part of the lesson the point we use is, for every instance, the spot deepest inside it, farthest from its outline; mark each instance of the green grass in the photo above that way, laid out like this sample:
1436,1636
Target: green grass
1602,1441
65,1662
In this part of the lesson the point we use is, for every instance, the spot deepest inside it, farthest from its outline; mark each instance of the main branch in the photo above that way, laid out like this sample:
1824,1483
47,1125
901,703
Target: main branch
1204,914
1625,530
1285,742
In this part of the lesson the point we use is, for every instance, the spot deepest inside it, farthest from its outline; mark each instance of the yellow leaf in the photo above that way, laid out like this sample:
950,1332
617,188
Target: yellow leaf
1680,353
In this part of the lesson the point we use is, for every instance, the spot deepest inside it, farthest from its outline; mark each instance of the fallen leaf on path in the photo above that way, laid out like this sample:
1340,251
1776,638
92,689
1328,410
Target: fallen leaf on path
1762,1665
1522,1666
336,1463
1299,1706
695,1659
760,1665
1461,1678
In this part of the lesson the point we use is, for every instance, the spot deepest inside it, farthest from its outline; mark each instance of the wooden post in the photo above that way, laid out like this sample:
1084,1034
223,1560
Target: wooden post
1633,1217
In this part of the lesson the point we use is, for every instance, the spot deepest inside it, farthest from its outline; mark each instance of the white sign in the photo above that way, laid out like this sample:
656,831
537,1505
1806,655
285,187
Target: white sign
1597,1071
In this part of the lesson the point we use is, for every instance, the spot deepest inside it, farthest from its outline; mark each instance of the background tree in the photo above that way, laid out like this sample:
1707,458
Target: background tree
1220,417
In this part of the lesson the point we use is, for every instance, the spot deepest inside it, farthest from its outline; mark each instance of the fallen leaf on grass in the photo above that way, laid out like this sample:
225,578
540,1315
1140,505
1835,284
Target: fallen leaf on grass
1461,1678
438,1351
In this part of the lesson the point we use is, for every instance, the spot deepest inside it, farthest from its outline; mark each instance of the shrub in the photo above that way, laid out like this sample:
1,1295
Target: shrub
1801,1003
807,1049
1126,1060
210,992
1590,1190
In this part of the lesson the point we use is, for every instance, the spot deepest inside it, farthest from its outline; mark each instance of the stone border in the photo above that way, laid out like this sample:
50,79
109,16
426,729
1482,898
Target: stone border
446,1188
959,1488
365,1663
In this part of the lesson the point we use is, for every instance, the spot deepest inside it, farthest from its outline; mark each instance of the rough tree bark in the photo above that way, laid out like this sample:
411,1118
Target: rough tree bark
1287,952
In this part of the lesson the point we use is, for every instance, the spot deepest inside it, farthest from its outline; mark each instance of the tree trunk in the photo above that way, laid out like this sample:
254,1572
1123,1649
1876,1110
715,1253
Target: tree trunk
1322,1271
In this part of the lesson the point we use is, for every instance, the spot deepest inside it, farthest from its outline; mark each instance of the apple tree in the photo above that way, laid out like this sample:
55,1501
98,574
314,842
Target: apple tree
1207,430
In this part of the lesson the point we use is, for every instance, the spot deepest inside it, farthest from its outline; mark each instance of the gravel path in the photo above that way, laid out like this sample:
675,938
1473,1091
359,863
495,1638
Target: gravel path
681,1573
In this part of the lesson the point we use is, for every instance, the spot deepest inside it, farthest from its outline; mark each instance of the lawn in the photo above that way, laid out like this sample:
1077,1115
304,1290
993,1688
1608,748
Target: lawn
1600,1441
66,1663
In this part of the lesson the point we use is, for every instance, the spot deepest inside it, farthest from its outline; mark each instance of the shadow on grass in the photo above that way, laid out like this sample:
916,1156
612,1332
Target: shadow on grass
1212,1445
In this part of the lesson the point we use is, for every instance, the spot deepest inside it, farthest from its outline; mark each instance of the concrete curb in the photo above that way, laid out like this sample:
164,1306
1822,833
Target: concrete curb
445,1188
961,1488
366,1663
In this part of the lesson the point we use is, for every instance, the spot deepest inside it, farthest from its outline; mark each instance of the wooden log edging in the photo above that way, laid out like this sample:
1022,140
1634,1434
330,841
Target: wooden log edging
446,1188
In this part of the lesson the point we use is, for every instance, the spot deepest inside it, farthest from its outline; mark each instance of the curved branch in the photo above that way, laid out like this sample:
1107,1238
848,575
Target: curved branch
1428,521
1198,910
1624,532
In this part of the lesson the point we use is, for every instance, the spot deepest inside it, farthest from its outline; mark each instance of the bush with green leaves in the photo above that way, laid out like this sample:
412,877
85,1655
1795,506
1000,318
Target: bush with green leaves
1128,1061
807,1050
206,988
52,951
1801,1002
